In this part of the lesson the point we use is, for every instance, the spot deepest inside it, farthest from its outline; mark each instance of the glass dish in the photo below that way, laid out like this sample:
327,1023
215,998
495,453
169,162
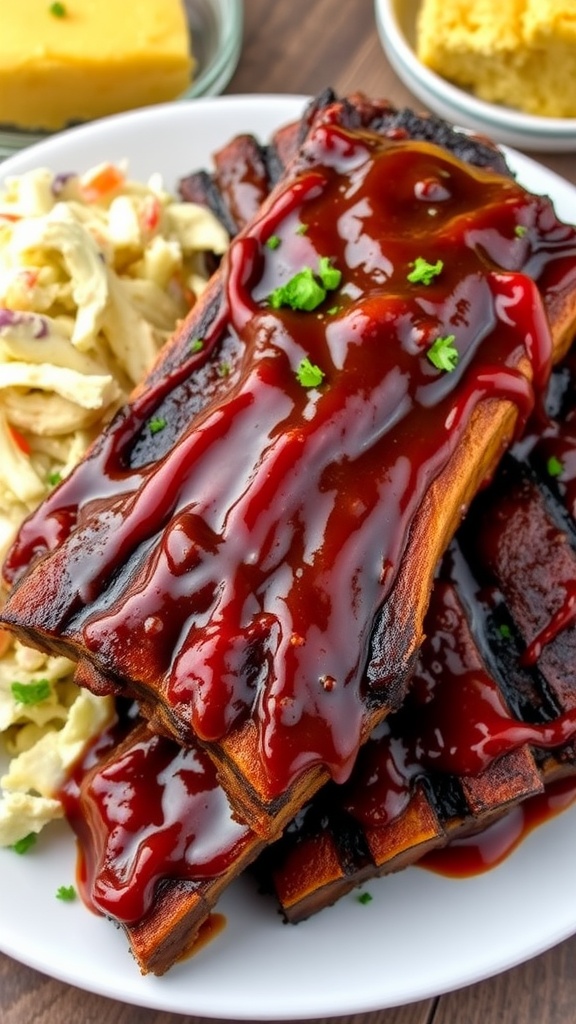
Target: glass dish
216,28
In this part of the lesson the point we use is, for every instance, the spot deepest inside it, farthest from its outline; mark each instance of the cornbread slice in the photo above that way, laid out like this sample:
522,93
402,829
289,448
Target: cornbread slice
81,59
521,53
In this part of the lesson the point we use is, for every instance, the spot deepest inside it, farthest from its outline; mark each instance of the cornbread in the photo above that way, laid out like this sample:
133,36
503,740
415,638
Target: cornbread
74,61
521,53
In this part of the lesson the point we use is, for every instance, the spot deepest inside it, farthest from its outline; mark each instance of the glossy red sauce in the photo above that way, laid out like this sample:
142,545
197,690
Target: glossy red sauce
455,721
555,456
153,812
246,566
563,617
472,855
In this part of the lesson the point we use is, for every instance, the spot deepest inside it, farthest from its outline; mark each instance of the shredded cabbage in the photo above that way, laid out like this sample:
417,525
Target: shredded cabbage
92,282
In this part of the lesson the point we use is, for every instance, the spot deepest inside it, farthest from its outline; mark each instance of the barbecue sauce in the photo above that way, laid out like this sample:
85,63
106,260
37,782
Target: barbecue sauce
455,721
155,812
475,854
152,812
243,570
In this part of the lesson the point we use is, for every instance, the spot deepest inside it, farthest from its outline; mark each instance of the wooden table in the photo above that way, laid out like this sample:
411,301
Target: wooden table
301,46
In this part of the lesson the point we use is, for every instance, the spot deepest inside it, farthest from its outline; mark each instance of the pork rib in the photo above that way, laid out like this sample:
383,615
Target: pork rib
248,550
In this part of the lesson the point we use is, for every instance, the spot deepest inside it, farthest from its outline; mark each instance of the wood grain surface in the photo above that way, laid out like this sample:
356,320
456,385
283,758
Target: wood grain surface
301,46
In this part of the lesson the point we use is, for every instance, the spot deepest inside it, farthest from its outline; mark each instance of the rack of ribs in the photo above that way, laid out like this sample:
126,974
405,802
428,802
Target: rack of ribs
249,548
490,718
489,721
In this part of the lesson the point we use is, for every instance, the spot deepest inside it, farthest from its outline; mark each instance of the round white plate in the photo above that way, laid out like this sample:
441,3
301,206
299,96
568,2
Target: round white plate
396,24
421,934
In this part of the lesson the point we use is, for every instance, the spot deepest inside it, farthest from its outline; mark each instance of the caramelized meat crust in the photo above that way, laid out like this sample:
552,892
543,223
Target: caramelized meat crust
490,717
488,722
248,550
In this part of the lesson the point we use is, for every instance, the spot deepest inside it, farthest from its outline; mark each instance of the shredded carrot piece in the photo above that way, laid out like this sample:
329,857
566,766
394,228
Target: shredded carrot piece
150,215
106,180
30,277
19,440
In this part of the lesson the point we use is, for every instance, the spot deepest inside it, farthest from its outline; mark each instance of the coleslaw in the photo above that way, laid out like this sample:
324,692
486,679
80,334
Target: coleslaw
96,270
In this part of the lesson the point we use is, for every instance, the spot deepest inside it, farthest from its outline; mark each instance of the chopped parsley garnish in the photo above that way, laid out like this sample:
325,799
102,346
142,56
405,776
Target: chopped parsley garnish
301,229
329,274
66,893
307,289
224,369
365,897
54,478
303,291
424,272
553,466
520,230
443,354
156,425
31,693
504,630
308,374
196,345
58,10
273,242
23,845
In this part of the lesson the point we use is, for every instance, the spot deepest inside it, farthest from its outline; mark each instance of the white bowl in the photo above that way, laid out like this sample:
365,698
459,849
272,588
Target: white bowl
396,23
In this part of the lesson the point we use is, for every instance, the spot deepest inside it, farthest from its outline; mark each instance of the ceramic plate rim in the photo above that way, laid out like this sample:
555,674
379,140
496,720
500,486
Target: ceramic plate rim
477,927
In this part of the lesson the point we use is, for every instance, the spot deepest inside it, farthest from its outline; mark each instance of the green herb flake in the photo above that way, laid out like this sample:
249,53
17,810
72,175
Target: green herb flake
333,310
301,229
156,424
365,897
309,375
554,466
22,846
520,230
57,10
196,345
505,631
66,893
307,290
424,272
303,292
329,274
224,369
53,479
273,242
443,354
31,693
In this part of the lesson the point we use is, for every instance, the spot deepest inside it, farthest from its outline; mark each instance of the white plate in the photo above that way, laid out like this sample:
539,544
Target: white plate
396,24
421,934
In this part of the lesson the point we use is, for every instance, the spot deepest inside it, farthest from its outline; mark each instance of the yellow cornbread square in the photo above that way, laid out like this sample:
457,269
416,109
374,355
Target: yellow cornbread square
521,53
550,33
82,59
